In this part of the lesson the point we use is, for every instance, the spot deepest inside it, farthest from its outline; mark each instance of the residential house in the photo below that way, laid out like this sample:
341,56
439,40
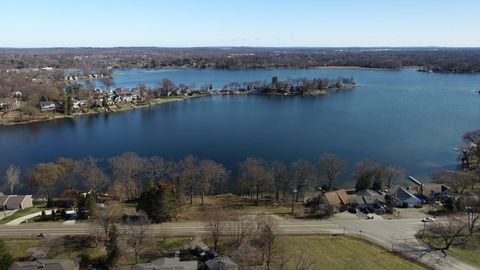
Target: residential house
168,264
434,192
371,199
403,197
13,202
78,103
221,263
47,106
17,94
57,264
337,199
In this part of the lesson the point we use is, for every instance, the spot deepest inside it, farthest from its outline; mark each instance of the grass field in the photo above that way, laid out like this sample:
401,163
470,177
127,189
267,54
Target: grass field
470,255
19,248
340,252
23,212
235,206
326,252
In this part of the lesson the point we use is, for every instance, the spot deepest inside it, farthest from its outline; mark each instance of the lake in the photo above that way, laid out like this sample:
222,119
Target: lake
404,118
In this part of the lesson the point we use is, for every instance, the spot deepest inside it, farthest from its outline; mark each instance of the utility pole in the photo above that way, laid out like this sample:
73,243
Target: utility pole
294,191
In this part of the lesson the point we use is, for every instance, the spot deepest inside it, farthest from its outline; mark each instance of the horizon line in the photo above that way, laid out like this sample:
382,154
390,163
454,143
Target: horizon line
247,46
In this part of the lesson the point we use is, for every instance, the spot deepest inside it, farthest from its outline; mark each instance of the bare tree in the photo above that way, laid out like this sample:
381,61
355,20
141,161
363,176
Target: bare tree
137,235
190,174
391,174
458,182
472,204
302,173
69,167
239,231
12,176
246,256
330,166
92,175
255,177
216,225
126,166
212,176
443,235
155,168
302,261
106,217
280,176
281,262
267,244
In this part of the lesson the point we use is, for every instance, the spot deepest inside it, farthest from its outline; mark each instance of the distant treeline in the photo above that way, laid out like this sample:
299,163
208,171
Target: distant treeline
455,60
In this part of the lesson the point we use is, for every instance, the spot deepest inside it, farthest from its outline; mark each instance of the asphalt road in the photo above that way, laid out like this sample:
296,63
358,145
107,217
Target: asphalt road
396,234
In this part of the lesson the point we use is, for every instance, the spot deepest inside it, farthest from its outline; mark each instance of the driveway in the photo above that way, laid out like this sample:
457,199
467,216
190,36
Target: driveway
19,220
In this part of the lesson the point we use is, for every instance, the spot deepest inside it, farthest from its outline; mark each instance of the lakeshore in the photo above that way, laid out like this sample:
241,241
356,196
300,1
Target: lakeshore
396,117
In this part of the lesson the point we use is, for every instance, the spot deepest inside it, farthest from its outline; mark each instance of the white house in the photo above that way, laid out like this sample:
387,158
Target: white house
47,105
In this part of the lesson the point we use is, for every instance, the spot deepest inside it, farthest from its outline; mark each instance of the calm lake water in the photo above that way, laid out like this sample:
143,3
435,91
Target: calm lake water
404,118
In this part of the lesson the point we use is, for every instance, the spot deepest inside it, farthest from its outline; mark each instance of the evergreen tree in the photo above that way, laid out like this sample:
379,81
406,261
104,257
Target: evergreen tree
86,205
6,260
158,204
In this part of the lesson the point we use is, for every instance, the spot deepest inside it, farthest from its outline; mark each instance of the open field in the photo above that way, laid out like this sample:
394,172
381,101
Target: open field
326,252
91,253
340,252
235,206
21,249
468,253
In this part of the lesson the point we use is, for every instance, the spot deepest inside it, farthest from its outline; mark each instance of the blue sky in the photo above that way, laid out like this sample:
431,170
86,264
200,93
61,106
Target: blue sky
187,23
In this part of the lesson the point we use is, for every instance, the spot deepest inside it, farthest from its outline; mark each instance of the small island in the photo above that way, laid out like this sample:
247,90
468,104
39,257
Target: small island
291,87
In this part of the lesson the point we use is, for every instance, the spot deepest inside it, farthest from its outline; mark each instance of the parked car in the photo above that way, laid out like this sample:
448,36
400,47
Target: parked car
428,219
352,210
369,217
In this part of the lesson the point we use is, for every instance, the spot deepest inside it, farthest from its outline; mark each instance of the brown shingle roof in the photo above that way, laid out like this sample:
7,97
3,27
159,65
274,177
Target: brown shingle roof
344,197
332,198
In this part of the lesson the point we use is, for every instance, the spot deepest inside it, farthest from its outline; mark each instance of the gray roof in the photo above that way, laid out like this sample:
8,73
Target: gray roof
403,195
168,264
221,263
46,264
3,199
16,199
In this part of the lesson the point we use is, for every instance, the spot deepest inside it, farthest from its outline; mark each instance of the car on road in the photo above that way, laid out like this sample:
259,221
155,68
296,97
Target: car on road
428,219
41,235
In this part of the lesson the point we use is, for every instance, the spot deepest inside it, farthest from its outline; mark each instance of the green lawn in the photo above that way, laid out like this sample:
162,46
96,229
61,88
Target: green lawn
23,212
469,255
340,252
19,248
